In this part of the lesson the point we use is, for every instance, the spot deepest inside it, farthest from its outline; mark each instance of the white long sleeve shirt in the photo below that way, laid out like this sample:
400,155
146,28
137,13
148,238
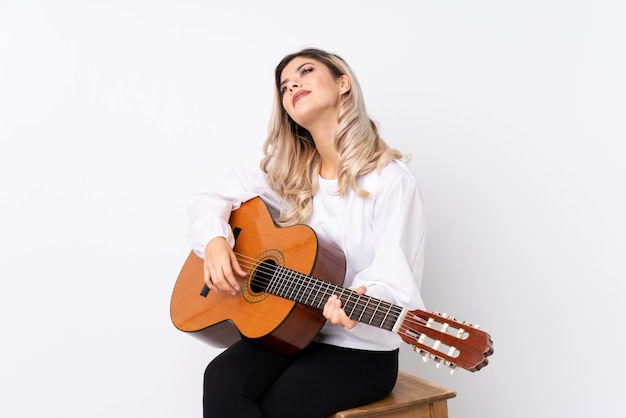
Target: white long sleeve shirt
382,237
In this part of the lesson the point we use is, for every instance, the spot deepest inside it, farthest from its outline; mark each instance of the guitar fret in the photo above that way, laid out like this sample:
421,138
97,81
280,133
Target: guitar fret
374,313
367,301
275,281
377,316
280,289
309,292
301,288
350,305
315,290
291,285
272,282
385,317
312,292
324,297
321,291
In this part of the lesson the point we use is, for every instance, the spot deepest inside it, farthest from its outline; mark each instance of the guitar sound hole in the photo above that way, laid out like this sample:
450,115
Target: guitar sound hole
262,276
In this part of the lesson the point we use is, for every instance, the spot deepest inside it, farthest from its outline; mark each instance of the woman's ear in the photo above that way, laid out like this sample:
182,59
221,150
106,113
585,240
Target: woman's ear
345,84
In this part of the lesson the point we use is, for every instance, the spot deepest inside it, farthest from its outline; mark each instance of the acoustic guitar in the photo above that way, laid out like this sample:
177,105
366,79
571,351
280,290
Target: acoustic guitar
291,273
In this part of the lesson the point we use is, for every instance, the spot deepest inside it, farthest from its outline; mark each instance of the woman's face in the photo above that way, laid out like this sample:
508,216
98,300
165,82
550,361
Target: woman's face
310,93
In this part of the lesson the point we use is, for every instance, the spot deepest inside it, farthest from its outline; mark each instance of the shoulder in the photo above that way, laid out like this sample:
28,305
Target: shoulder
394,175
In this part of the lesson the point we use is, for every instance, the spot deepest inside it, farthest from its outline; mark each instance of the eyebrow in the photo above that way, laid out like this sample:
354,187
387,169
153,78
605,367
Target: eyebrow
280,86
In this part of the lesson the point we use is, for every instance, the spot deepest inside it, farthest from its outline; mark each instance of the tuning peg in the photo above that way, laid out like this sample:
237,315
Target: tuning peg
437,360
423,353
452,368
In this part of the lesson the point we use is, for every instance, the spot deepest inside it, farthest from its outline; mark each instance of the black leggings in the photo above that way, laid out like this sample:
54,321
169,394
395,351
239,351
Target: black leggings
249,381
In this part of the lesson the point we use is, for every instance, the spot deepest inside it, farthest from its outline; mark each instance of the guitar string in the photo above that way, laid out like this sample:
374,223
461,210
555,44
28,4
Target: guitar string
382,309
254,265
296,285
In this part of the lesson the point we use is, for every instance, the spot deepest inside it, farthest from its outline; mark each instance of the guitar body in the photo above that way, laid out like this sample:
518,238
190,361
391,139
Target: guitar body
280,324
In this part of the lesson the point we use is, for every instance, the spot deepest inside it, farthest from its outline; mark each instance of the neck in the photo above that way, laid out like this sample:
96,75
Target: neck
328,155
328,172
324,134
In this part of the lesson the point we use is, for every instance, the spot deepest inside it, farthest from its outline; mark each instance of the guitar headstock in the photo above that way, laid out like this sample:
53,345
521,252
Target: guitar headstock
445,340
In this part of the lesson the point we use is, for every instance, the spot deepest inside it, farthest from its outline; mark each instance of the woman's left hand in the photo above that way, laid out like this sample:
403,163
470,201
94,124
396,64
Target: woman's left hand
335,313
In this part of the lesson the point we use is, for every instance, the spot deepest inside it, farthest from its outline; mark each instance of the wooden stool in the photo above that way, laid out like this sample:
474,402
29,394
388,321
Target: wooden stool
411,397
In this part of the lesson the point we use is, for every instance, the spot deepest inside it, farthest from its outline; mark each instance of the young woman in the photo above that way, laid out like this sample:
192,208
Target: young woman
325,166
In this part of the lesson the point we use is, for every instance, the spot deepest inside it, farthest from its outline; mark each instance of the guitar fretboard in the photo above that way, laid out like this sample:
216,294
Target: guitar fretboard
298,287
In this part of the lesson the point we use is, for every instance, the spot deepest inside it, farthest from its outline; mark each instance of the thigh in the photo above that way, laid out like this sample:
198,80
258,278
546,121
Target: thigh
324,379
238,377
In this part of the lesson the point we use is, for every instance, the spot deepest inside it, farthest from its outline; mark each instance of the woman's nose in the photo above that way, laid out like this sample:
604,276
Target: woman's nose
294,85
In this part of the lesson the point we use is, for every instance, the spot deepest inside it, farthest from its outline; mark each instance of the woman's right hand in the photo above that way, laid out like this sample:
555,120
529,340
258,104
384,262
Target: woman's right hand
221,269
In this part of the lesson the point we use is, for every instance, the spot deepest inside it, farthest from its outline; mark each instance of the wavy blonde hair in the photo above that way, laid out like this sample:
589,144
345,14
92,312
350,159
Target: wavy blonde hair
291,160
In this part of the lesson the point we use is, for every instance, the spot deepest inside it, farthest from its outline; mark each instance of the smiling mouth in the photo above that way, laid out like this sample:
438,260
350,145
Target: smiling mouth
298,96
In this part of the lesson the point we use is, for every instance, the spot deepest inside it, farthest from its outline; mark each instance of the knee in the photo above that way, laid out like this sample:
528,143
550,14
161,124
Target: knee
214,380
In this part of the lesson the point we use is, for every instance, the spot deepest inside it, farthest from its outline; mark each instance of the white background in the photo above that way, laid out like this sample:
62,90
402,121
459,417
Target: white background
114,113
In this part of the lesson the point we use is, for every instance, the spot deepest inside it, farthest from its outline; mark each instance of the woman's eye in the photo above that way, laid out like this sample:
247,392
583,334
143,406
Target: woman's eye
306,70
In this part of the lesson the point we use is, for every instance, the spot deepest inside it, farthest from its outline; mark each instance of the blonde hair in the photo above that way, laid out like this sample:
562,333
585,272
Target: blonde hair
291,160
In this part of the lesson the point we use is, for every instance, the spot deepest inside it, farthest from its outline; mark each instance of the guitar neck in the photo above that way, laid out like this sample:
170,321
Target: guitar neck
453,343
298,287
